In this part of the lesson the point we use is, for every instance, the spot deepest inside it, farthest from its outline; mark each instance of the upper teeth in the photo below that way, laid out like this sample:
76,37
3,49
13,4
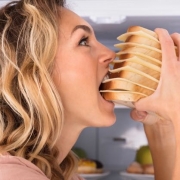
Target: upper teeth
105,77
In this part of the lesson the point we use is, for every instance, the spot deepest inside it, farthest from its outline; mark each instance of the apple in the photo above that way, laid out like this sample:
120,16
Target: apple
80,152
143,155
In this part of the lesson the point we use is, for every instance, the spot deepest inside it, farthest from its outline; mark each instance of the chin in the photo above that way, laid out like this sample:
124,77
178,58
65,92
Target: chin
110,121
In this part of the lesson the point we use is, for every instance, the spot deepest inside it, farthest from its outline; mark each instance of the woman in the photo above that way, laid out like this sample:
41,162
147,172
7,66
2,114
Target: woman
51,68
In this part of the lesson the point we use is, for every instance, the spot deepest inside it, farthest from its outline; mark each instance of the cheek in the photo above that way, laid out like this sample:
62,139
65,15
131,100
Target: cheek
79,70
75,74
74,77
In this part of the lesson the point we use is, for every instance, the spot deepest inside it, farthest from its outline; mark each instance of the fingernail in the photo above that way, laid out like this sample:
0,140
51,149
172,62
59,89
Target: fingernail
141,114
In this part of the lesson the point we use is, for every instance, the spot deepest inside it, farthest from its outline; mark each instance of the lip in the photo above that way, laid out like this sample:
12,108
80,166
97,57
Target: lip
106,101
104,77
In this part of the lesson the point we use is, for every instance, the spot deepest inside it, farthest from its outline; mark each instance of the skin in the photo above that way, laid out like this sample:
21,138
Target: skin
80,67
163,131
161,139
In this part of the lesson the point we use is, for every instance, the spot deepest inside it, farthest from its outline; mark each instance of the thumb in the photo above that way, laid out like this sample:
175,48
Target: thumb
144,117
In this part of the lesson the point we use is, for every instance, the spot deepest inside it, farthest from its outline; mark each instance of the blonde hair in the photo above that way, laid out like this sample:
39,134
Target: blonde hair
31,113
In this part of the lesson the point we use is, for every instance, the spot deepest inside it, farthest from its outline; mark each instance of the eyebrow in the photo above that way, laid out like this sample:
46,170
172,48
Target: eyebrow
84,27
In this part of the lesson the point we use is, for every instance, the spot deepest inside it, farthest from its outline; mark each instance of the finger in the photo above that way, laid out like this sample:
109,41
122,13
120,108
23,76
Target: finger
142,116
145,104
138,115
167,46
176,38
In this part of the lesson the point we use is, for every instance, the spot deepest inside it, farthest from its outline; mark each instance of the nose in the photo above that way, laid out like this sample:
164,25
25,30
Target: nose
106,55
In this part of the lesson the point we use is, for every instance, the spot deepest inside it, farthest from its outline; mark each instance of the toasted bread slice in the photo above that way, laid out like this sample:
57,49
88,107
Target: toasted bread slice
154,55
139,28
122,97
136,73
125,36
137,65
135,77
144,41
125,45
131,52
138,70
120,84
141,33
137,60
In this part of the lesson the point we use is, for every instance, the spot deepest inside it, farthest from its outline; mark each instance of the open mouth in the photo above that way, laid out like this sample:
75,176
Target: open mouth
106,77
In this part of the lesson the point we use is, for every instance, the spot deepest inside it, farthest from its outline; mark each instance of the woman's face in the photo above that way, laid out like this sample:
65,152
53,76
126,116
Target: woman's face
80,66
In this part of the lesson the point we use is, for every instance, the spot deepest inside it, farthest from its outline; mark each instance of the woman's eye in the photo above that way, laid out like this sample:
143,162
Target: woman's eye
84,42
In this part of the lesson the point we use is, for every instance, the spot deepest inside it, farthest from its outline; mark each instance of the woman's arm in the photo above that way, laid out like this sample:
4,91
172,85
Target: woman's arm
175,117
176,172
163,149
163,133
163,145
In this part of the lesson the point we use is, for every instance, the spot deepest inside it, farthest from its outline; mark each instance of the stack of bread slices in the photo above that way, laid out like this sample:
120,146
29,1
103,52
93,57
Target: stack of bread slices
136,71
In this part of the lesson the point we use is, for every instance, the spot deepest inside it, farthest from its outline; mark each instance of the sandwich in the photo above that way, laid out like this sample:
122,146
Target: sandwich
135,73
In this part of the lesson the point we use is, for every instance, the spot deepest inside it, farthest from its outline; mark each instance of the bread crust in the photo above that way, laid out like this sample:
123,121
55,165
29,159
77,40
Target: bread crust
139,28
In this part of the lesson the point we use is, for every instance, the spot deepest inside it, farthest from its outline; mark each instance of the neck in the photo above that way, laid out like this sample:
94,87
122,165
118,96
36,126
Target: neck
68,138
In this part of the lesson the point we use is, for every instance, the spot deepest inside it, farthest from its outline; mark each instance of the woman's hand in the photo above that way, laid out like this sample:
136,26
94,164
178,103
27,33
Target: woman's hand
163,131
165,101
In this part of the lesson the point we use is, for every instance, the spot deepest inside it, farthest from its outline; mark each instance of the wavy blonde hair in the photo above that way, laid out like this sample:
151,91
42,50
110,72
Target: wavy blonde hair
31,113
